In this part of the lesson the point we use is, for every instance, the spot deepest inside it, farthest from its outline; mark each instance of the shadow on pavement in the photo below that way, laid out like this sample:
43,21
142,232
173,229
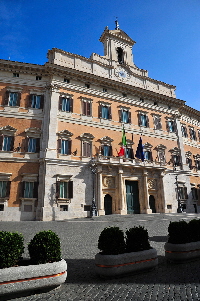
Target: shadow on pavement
82,271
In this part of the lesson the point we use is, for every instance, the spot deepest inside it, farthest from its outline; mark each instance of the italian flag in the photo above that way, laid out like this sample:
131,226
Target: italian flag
123,147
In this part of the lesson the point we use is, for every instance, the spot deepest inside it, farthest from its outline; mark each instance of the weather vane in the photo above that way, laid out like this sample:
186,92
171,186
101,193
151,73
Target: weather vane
116,24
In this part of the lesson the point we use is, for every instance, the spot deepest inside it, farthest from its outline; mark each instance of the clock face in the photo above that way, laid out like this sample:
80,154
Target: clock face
121,74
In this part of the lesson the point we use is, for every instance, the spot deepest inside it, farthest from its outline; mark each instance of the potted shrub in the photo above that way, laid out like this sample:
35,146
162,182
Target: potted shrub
120,255
45,268
183,241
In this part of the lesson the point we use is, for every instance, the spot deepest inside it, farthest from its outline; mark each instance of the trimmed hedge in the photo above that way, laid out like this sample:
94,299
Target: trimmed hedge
45,247
11,248
112,240
137,239
182,232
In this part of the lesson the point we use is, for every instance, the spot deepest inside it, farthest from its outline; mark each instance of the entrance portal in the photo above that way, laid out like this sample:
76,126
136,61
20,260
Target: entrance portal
108,204
132,197
152,204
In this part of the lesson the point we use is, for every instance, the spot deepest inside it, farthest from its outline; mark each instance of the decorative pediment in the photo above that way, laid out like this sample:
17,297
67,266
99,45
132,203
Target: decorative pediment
33,132
65,134
175,151
116,34
8,130
147,146
160,147
197,157
188,154
87,136
106,139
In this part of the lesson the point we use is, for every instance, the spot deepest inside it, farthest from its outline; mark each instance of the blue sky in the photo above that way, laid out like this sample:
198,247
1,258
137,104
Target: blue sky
167,34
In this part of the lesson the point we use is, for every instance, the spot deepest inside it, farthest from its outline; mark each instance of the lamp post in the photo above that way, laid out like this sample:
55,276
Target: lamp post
93,168
179,210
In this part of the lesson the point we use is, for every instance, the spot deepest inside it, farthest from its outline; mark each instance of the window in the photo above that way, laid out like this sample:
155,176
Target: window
124,94
182,193
147,151
12,99
86,107
176,159
184,131
64,147
157,122
33,145
171,126
66,104
36,101
105,111
64,189
4,189
194,193
106,150
192,134
124,116
66,80
143,119
87,85
120,55
87,207
129,153
199,135
29,190
38,77
6,143
161,153
86,141
105,90
189,162
15,74
1,207
63,207
147,155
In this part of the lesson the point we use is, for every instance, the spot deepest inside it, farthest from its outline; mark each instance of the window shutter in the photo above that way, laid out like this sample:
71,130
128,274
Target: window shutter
70,189
100,111
57,189
35,190
6,98
120,115
147,121
131,154
156,123
88,108
12,144
69,147
151,156
60,103
22,184
30,101
88,149
42,102
102,150
18,99
84,149
8,189
129,117
1,142
59,146
139,119
110,151
71,105
110,115
37,145
84,107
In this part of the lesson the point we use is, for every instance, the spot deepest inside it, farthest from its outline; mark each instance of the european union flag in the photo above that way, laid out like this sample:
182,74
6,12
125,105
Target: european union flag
139,152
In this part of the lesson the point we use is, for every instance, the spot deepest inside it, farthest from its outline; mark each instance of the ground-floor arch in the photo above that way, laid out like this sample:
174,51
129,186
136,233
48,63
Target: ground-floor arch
108,204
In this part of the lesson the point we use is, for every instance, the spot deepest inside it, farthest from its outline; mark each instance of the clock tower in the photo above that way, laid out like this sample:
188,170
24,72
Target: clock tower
117,46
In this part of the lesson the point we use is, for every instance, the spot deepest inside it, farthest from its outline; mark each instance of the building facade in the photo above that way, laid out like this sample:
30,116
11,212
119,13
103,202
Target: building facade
61,128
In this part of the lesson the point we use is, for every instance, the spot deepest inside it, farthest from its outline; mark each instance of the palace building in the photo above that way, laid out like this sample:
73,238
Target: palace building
80,136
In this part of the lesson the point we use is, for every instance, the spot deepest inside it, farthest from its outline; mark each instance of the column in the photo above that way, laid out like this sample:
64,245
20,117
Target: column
100,201
145,187
121,199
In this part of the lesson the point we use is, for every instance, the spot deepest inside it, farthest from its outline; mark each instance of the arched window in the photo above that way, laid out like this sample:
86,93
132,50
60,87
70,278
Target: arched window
120,55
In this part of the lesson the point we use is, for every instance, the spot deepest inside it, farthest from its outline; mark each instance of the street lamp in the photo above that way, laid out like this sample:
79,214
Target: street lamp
93,168
179,210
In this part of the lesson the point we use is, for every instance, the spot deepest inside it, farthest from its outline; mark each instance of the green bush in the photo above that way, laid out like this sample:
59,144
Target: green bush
137,239
194,230
11,248
45,247
178,232
111,241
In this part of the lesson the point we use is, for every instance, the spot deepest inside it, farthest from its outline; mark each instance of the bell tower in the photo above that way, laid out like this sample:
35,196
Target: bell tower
117,46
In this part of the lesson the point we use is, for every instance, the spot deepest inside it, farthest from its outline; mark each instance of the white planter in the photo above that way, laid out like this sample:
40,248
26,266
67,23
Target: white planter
22,278
181,252
114,265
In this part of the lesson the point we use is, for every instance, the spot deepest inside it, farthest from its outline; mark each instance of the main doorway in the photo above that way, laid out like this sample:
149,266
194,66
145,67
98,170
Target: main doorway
108,204
132,197
152,203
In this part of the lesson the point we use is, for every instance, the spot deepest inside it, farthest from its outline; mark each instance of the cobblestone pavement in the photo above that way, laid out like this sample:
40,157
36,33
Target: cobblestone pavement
79,237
